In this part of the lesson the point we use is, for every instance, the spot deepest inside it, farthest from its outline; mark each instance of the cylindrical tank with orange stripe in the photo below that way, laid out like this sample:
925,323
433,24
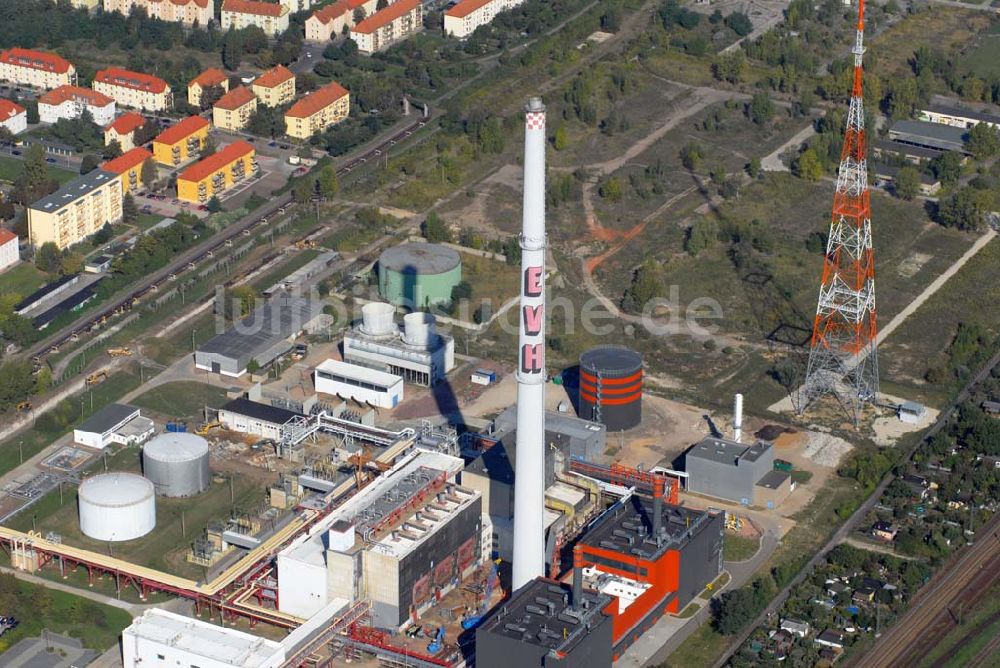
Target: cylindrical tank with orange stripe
611,386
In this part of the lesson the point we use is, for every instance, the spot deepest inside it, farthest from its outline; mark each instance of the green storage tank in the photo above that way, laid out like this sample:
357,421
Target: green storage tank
418,275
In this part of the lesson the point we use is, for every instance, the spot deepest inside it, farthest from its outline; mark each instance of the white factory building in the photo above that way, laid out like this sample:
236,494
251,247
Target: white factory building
161,638
418,353
359,383
254,418
405,539
115,423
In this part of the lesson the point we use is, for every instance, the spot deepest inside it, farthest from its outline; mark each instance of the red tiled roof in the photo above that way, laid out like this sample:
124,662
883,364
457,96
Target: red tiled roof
6,236
386,16
184,3
250,7
38,60
274,77
127,161
116,76
9,109
339,8
213,163
127,123
318,99
181,131
235,99
213,76
466,7
57,96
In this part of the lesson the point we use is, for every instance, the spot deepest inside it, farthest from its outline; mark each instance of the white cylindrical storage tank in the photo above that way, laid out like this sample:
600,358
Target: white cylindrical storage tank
117,506
377,319
418,329
177,464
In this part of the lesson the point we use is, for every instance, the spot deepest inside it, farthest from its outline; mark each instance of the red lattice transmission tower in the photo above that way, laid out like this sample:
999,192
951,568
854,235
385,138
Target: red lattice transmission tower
842,359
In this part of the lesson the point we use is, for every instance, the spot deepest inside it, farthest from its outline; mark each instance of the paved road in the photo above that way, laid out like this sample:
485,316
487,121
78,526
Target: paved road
845,530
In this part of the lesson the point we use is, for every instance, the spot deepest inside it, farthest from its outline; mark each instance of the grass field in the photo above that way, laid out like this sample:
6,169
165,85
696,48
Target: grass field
943,28
10,169
492,281
97,626
166,547
739,548
22,280
181,399
147,220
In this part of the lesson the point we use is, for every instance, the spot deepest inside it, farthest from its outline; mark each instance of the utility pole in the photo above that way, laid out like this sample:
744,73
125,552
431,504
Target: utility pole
20,451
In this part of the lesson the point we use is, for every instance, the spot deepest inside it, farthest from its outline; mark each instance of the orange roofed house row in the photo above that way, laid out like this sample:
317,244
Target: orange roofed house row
181,142
13,116
36,68
388,26
463,18
270,17
329,21
134,89
217,173
317,111
187,12
213,76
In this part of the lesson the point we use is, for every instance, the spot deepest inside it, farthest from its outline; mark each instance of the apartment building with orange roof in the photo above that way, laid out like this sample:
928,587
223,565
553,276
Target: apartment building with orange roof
128,167
329,21
388,26
67,102
462,19
317,111
270,17
180,143
39,69
122,130
233,110
213,76
13,116
187,12
134,89
275,87
217,173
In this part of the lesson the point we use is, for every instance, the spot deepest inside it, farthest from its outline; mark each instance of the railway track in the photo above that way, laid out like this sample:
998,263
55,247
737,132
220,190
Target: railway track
936,608
193,256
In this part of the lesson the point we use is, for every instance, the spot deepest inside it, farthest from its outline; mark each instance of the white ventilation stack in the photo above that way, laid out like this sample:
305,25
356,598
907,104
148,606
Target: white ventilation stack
529,475
738,418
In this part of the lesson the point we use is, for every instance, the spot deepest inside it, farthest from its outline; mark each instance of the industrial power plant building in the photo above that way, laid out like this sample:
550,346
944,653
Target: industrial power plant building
418,275
115,423
263,336
736,472
359,383
403,541
419,353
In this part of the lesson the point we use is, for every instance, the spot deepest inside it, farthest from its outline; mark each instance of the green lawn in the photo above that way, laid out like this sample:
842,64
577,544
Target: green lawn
739,548
147,220
22,279
10,169
36,607
181,399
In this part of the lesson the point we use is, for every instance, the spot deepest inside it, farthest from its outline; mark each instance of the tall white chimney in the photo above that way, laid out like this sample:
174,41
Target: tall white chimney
738,418
529,474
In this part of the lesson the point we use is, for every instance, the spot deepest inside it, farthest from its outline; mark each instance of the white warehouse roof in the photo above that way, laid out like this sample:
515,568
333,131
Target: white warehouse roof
360,373
220,644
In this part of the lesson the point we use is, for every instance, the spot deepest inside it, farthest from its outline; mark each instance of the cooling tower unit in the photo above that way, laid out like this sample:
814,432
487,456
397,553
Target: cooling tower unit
418,329
377,320
117,506
611,387
177,464
418,275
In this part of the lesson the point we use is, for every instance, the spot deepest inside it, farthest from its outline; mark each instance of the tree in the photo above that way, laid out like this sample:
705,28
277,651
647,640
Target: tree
611,190
902,98
761,109
906,184
89,163
647,284
147,174
47,257
70,262
328,184
434,229
809,166
31,107
561,140
130,212
35,171
947,167
381,4
112,150
753,167
210,95
965,210
303,190
253,366
209,147
739,23
984,141
491,136
232,50
359,15
462,290
6,136
701,236
214,205
730,67
691,156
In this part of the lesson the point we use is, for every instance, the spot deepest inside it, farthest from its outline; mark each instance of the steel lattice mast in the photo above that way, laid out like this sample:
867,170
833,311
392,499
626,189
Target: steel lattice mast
843,359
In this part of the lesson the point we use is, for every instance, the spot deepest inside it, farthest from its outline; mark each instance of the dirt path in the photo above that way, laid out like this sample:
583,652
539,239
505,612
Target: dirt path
773,163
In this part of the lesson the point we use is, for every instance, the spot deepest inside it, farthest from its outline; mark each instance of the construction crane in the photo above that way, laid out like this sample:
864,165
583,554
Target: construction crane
97,377
434,646
472,621
362,461
120,352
